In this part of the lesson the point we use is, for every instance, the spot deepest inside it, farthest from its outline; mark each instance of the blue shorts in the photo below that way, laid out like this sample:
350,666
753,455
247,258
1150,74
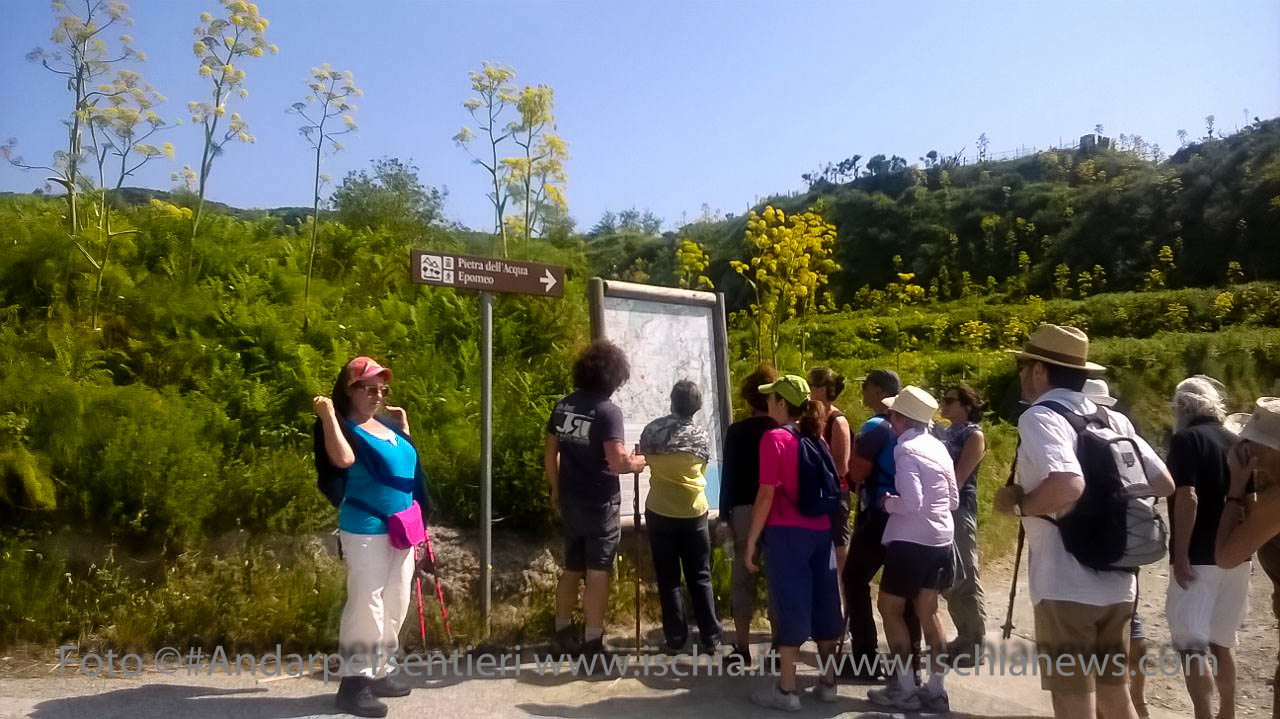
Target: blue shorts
800,565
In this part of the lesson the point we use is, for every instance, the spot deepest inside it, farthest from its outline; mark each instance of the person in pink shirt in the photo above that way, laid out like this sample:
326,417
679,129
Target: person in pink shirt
917,540
800,559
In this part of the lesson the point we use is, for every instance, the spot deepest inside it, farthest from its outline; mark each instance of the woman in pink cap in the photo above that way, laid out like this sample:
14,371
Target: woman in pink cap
376,482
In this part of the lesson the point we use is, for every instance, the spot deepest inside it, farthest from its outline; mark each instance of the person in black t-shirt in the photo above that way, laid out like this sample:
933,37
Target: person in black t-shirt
739,480
1205,603
585,451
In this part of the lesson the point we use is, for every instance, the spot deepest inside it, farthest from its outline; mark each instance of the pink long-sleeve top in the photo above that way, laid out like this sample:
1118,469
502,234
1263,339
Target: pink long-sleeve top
927,493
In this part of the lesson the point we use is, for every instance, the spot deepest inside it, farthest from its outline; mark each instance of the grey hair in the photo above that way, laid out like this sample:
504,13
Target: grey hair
686,399
913,423
1198,396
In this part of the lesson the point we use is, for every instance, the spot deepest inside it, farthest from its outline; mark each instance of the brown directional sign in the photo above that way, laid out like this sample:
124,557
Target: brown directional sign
485,273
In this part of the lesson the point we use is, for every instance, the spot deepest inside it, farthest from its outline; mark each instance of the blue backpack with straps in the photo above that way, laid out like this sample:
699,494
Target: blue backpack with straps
817,485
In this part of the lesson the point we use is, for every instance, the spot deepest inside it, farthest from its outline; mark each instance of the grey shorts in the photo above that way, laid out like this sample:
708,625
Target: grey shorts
591,536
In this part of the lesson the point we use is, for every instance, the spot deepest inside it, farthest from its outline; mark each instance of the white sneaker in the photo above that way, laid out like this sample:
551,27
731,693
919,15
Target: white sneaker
892,695
772,697
825,692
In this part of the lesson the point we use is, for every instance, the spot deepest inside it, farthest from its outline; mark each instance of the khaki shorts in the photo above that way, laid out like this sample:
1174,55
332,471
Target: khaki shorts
1079,646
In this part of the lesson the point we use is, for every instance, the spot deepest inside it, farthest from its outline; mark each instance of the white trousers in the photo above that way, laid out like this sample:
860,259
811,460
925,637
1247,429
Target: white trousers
378,581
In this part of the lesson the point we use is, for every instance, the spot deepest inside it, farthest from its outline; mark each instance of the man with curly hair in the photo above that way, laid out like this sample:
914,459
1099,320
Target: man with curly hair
585,451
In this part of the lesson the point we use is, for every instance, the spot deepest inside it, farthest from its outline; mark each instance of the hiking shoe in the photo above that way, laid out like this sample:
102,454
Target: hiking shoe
964,655
355,696
825,692
740,657
892,695
391,685
565,641
938,703
772,697
862,668
594,658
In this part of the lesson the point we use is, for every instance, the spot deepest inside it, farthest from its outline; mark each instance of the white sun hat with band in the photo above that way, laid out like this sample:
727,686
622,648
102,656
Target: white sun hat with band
1057,345
1263,426
913,403
1099,393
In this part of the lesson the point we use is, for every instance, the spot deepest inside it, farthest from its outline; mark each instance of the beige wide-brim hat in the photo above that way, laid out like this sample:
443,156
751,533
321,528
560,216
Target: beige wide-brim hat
1062,346
1263,426
914,403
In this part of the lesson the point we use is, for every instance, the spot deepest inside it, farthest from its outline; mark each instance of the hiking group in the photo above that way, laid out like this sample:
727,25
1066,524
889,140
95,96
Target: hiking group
818,510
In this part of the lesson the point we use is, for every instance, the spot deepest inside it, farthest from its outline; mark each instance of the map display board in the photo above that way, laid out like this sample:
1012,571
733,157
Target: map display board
668,335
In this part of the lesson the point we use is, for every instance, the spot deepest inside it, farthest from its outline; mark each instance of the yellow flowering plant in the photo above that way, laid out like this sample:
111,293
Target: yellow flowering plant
790,263
328,101
223,40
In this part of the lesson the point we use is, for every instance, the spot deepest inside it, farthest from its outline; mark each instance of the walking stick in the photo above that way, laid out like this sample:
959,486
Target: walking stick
636,520
444,613
422,623
1013,585
1007,627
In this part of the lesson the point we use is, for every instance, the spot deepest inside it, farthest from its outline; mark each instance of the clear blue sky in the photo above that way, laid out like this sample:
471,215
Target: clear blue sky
668,105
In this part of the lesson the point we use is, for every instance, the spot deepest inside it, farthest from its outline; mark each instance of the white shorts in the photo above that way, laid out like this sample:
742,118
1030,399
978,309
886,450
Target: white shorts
1211,609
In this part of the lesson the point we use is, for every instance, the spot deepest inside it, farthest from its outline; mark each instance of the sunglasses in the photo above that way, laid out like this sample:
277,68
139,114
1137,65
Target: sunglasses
374,390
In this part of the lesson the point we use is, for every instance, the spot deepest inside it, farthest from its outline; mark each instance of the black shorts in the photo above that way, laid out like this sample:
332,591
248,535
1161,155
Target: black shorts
910,567
591,536
841,530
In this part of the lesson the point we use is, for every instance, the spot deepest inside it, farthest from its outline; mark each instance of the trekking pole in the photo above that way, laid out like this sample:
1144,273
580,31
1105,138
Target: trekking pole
636,520
444,613
1007,627
422,623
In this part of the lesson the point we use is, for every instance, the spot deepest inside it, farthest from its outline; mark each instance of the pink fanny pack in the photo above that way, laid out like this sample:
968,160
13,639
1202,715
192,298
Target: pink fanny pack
404,528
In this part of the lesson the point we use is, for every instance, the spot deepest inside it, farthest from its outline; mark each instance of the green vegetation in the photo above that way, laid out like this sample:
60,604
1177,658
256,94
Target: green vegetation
158,352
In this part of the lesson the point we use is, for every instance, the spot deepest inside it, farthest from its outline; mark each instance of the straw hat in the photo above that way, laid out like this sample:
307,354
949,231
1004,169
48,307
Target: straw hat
1263,426
1097,391
1062,346
914,403
1235,422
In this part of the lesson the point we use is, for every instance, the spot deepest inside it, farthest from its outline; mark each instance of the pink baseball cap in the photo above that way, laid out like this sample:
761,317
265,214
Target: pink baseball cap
365,368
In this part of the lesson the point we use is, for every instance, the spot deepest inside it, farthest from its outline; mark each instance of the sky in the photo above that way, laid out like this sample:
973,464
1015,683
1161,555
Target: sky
670,105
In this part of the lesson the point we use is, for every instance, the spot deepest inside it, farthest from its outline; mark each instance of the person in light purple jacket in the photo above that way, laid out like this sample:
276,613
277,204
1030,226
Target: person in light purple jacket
917,539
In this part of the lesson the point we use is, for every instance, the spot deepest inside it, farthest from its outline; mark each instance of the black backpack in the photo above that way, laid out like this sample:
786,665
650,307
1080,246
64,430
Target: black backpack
817,486
1114,526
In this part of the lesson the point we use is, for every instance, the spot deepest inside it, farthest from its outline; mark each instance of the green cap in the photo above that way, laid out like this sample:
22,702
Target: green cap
793,388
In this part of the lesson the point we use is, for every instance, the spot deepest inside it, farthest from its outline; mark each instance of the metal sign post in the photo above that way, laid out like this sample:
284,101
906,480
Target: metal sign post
489,275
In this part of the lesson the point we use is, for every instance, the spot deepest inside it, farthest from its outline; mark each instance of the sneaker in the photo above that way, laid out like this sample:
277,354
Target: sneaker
772,697
825,692
355,696
938,703
892,695
565,641
391,685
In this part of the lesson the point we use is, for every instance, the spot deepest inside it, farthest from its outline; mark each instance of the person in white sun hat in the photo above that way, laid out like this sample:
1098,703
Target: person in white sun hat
917,540
1244,530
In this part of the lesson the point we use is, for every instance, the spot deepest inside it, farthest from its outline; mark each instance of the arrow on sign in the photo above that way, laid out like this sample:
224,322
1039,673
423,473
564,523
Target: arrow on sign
548,281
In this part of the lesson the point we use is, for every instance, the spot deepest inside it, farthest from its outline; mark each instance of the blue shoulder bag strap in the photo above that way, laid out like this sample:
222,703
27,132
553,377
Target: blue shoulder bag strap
377,466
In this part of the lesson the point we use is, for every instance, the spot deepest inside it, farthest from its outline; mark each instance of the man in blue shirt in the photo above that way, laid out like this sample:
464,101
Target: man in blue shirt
871,475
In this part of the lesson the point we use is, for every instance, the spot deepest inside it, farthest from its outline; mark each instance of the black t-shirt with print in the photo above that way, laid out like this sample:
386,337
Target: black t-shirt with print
582,422
1198,458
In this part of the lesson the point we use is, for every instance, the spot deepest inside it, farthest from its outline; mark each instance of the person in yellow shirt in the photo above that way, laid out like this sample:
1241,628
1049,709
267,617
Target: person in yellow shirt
676,510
